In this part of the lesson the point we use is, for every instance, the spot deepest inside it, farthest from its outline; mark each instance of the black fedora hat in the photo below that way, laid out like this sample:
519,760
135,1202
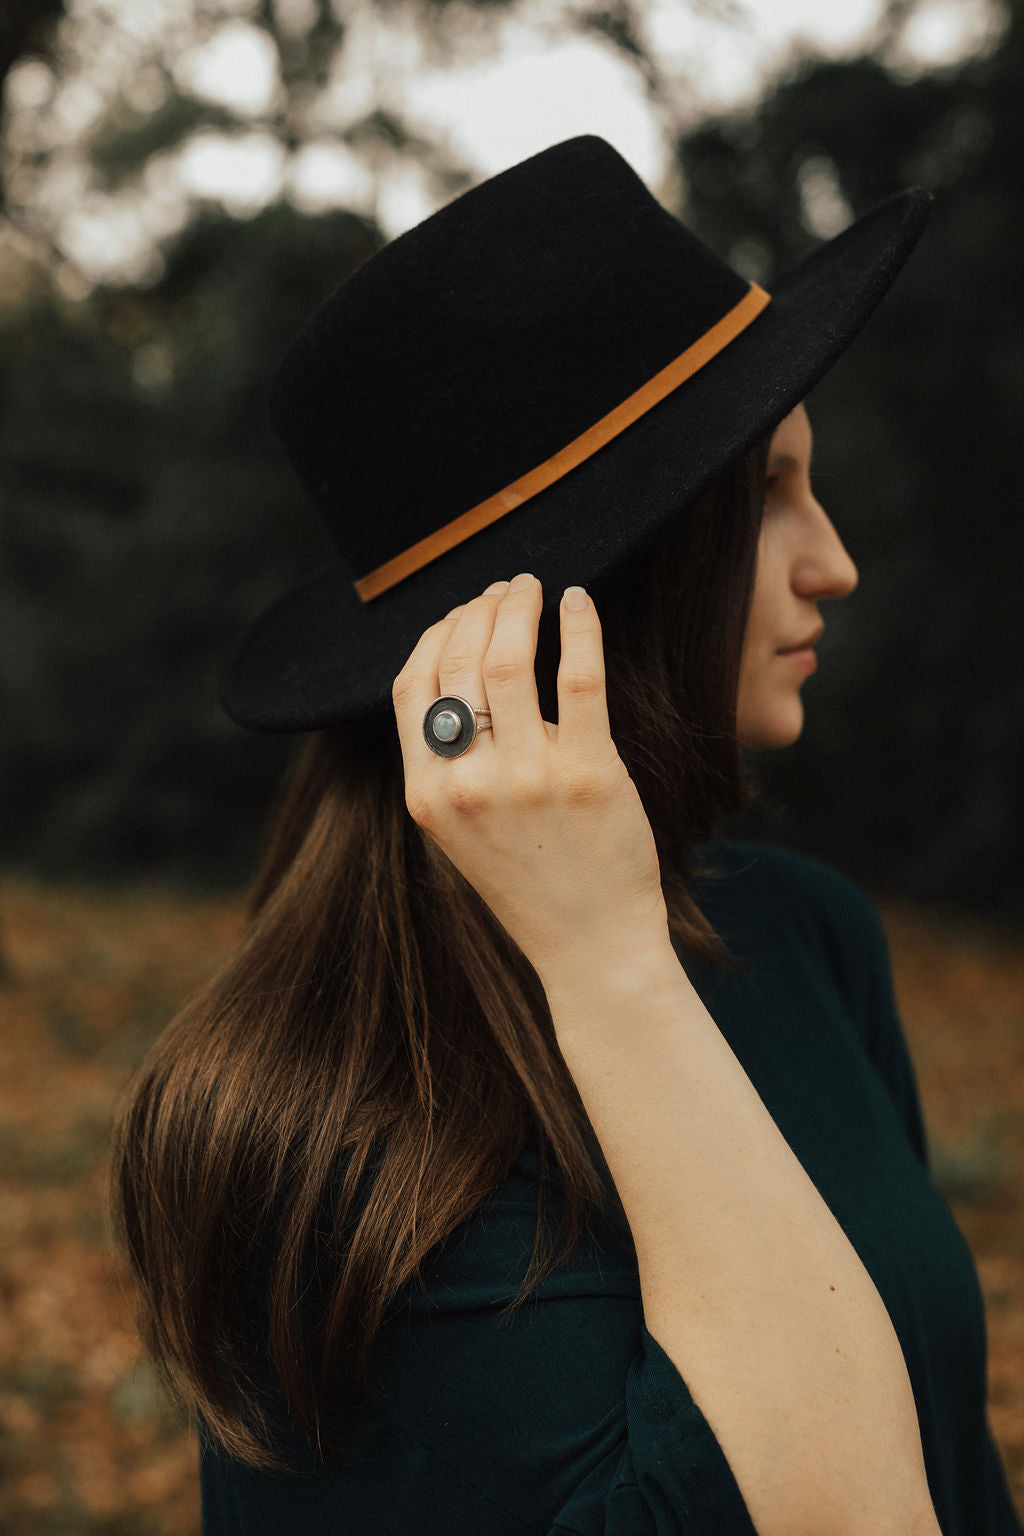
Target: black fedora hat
540,376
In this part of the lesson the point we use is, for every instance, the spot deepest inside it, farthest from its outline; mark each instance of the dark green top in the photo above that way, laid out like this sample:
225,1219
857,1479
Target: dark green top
567,1416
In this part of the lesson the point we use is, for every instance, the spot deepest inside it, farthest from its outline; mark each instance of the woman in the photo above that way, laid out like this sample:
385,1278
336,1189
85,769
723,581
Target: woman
539,1163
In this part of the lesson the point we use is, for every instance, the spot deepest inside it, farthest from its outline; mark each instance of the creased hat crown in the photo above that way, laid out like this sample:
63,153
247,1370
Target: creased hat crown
479,343
542,376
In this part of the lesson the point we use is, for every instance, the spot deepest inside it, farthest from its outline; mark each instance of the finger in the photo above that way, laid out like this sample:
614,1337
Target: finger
509,668
415,688
460,668
583,726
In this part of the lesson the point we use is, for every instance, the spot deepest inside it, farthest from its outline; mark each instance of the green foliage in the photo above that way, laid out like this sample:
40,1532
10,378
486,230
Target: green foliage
126,142
148,514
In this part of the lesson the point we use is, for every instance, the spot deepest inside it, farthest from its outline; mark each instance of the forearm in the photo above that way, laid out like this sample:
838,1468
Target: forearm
749,1284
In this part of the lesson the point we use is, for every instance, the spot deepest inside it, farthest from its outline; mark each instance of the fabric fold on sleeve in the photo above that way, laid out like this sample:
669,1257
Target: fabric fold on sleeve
671,1478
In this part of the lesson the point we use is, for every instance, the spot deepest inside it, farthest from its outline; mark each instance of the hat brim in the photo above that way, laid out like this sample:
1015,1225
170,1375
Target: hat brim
319,656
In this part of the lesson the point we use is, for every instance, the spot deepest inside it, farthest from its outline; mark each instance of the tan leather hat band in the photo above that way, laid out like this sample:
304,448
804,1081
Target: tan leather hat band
581,448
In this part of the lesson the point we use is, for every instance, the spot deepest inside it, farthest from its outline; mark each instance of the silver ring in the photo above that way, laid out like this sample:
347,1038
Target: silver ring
451,724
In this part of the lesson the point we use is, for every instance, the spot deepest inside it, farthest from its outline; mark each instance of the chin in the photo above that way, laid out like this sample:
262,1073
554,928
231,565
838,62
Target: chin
772,728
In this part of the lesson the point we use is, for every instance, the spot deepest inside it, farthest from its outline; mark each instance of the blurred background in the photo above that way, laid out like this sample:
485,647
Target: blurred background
182,182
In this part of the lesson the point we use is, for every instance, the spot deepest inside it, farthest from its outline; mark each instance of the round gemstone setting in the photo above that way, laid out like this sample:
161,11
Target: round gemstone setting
447,725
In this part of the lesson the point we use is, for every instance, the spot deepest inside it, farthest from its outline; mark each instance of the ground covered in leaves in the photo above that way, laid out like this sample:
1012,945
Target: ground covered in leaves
87,1443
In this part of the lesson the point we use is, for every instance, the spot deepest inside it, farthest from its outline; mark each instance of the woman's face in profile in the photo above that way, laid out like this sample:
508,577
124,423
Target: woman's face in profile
800,561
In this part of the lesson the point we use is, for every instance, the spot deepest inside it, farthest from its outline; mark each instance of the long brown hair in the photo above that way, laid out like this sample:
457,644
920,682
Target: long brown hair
312,1123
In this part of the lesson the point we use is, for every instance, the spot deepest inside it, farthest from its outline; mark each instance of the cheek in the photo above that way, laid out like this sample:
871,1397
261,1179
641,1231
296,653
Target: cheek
760,620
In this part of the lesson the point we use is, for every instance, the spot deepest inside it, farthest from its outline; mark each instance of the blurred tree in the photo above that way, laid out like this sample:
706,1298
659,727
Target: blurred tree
26,27
147,514
99,141
909,771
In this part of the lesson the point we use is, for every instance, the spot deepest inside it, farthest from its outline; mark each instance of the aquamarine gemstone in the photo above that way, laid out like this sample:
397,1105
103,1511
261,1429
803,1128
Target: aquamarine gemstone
447,725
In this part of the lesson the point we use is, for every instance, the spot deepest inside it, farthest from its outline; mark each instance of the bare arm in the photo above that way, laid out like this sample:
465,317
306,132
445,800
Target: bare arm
748,1282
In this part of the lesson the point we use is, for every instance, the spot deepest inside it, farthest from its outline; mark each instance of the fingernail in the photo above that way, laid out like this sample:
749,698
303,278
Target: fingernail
495,587
575,598
521,582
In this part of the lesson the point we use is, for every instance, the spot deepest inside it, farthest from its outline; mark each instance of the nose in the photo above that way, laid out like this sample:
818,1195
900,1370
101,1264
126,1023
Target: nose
823,567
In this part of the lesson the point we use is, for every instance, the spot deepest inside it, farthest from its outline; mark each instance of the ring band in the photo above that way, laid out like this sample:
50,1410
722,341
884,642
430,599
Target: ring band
451,724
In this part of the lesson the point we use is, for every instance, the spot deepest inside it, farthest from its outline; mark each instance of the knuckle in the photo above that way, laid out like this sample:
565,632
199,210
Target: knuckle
403,687
581,788
504,667
420,807
582,680
465,796
457,660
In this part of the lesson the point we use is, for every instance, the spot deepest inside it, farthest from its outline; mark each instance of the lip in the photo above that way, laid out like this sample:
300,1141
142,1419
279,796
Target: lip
804,656
803,646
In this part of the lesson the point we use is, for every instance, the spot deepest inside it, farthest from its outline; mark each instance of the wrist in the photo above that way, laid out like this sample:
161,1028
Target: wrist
584,974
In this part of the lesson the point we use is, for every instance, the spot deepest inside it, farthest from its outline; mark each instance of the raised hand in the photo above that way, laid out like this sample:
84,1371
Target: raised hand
542,819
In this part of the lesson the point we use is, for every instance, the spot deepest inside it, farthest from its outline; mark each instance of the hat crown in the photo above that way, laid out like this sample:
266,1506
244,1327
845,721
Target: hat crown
478,344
